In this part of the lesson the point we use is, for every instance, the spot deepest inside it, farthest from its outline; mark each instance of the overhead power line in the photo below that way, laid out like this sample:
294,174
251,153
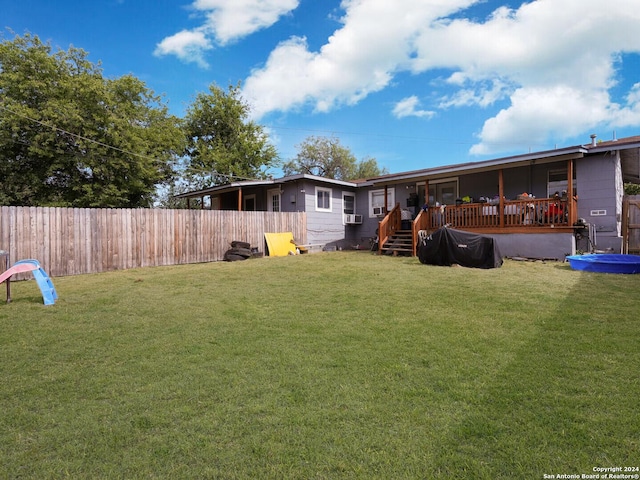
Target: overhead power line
228,177
399,137
75,135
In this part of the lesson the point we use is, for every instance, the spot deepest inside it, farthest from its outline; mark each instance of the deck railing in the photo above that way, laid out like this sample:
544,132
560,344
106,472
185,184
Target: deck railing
522,215
389,225
419,223
529,213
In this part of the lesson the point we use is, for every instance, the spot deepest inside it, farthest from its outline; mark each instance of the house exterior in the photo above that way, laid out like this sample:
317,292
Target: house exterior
327,204
540,205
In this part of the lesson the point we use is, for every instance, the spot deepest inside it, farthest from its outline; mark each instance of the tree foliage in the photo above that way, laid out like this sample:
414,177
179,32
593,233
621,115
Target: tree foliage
222,143
326,157
632,189
368,168
70,137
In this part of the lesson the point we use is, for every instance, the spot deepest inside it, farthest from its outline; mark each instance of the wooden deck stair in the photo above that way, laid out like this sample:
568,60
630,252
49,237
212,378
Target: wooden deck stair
399,243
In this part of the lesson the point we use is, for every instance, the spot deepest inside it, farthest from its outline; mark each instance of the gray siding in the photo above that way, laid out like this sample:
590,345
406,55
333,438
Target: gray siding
359,234
600,189
596,186
292,199
479,185
324,227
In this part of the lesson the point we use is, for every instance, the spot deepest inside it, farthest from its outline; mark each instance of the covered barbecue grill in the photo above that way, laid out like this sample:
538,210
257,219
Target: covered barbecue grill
447,246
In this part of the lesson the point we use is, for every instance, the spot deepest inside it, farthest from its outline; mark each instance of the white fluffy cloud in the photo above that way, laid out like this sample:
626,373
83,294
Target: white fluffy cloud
559,55
551,62
225,21
229,20
188,46
409,107
483,94
536,111
545,67
360,58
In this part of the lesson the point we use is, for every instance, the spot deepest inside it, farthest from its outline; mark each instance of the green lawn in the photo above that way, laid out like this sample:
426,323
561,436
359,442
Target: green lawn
331,365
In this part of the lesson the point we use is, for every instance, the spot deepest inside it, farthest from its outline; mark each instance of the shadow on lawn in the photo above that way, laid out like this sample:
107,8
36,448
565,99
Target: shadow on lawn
563,404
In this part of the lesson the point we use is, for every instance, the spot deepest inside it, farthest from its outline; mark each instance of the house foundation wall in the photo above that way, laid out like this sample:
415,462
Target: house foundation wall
607,242
549,246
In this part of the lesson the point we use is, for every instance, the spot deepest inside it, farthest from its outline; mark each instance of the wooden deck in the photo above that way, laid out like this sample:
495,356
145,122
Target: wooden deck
547,215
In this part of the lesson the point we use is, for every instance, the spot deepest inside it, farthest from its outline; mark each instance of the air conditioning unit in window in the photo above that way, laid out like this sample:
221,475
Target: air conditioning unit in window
353,219
378,210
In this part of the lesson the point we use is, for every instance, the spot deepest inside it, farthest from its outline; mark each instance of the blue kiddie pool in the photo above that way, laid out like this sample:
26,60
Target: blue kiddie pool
605,263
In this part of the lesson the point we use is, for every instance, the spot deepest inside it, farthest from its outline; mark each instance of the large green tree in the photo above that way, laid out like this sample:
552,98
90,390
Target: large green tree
327,157
70,137
222,142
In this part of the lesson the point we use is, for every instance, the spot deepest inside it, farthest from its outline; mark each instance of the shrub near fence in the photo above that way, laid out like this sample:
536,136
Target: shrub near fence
72,241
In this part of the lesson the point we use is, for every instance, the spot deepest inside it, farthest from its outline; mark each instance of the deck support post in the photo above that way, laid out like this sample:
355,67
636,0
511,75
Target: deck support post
501,194
571,216
426,203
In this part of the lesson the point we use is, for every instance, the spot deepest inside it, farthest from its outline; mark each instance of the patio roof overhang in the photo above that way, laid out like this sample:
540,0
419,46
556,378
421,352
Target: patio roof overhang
481,166
235,186
230,187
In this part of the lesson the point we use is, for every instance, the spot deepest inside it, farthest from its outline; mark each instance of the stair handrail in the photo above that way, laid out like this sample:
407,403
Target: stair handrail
388,226
421,222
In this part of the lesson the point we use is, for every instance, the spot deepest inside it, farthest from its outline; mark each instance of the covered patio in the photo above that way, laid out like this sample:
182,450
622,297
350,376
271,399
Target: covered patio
526,214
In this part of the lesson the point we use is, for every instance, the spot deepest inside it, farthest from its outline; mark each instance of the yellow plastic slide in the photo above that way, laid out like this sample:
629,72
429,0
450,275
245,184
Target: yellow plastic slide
280,244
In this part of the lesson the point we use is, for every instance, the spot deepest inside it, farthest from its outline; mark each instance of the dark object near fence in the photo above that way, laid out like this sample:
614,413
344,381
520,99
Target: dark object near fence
240,251
447,246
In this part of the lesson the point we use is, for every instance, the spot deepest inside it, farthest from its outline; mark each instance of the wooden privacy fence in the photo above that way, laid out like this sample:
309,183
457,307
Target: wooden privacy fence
72,241
631,224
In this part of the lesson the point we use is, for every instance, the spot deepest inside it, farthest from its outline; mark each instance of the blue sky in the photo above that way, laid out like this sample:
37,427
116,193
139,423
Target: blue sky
412,83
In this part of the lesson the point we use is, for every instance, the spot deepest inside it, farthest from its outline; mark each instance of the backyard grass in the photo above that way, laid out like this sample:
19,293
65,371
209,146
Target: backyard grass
331,365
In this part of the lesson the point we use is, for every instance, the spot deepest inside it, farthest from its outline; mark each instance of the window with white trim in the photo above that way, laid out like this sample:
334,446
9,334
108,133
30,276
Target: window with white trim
376,202
349,209
443,191
273,200
323,199
348,203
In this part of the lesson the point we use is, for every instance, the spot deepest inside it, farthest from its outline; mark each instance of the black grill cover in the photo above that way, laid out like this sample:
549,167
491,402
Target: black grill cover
447,246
